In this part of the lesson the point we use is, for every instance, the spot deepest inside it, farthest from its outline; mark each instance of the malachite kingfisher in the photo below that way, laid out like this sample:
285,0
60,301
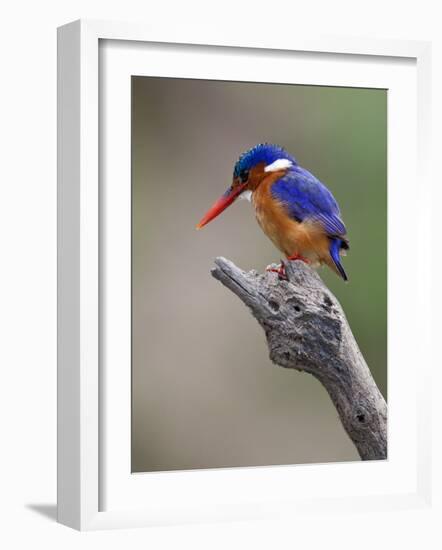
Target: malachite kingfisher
294,209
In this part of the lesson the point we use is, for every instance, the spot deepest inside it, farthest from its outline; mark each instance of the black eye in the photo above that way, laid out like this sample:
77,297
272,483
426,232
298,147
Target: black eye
244,175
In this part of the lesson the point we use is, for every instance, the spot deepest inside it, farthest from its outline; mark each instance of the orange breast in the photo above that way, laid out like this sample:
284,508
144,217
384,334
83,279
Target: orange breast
291,237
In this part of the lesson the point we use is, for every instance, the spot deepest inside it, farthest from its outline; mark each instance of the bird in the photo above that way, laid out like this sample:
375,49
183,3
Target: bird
294,209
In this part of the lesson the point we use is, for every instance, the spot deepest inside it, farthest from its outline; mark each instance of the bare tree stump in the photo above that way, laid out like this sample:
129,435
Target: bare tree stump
306,330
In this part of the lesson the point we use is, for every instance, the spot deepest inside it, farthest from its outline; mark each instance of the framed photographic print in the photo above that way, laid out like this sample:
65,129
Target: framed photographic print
243,370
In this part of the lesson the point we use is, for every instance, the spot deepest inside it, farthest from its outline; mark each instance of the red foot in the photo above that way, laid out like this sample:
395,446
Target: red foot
298,257
280,270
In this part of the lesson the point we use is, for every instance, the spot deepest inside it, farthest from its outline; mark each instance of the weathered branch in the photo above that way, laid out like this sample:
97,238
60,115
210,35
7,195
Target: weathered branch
306,330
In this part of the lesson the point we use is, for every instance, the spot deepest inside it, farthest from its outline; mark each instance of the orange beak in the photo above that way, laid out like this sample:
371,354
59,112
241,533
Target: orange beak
221,204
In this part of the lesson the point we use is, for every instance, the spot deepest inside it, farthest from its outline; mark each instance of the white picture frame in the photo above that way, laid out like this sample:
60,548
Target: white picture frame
89,459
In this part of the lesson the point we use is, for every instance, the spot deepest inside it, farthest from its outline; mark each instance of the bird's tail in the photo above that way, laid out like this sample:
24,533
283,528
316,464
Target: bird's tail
335,249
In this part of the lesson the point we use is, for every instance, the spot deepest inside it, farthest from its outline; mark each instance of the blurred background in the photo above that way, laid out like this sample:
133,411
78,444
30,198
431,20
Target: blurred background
205,394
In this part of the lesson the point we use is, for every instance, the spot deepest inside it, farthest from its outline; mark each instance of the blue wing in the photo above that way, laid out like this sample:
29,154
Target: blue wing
306,198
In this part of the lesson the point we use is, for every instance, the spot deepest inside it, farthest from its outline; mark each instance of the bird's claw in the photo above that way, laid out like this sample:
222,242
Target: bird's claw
279,269
298,257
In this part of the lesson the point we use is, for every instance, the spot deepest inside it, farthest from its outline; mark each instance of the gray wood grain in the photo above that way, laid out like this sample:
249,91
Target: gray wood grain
306,330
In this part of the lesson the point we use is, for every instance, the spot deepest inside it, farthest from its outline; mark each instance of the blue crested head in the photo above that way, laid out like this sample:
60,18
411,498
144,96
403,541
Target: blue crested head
263,152
250,170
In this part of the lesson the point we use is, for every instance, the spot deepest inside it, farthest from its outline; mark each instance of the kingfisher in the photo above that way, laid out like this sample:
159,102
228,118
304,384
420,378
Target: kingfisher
294,209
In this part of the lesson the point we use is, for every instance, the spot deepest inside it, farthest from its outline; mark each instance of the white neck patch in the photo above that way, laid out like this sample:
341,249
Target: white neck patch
246,195
280,164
